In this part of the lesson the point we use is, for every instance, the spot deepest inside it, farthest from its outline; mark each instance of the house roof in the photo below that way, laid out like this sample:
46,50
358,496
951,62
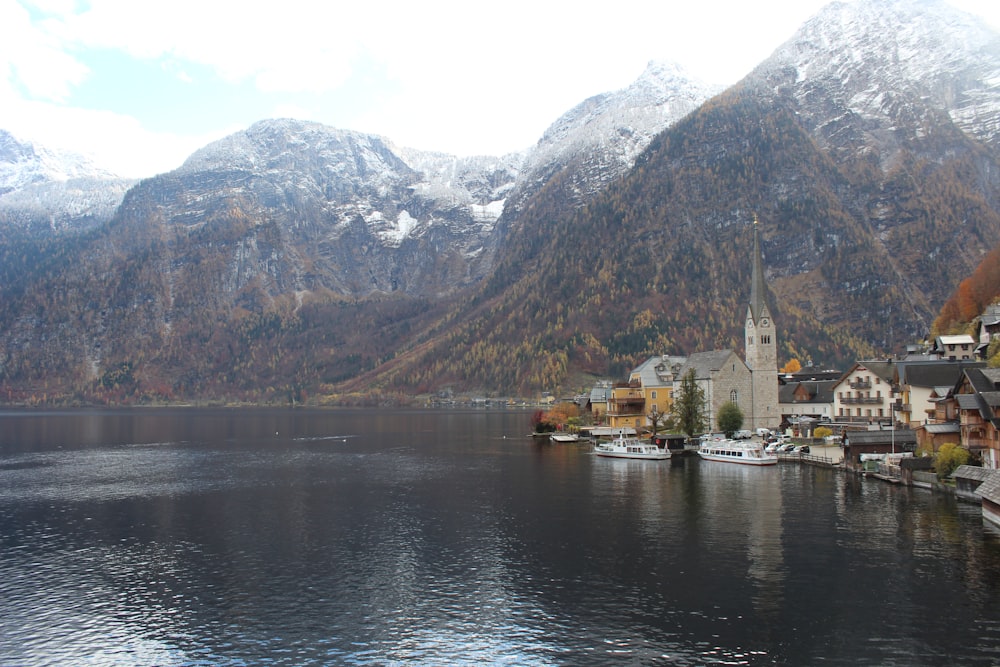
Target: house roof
933,373
967,401
972,472
820,391
898,436
885,369
990,489
657,371
600,394
960,339
937,429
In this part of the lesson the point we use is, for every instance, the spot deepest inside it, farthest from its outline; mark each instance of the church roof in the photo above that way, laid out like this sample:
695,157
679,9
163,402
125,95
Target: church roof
706,363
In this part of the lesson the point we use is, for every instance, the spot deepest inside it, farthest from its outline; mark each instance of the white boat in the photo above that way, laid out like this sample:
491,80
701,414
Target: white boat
564,437
631,448
736,451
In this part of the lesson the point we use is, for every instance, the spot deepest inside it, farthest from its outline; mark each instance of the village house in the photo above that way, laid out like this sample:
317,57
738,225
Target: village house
921,387
598,400
656,377
627,405
864,394
955,348
805,401
978,399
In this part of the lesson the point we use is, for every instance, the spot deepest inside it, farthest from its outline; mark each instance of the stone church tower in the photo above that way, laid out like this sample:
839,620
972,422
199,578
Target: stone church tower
761,348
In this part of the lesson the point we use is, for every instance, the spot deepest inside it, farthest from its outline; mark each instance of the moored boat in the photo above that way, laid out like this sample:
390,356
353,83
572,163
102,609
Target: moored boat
631,448
564,437
736,451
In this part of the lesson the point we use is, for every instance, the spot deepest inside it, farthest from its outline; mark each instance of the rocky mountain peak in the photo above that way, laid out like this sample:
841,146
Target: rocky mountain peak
880,60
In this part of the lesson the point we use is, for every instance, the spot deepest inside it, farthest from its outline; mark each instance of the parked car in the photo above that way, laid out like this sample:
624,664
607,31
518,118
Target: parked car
787,447
743,434
802,449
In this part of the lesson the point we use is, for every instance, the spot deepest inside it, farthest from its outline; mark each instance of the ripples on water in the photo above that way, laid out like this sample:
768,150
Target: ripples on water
362,538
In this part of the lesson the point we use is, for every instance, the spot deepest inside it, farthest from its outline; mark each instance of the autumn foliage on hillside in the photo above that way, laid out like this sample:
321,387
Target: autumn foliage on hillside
971,298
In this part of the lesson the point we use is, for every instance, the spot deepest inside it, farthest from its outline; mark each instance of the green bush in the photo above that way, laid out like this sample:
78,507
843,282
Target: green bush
948,458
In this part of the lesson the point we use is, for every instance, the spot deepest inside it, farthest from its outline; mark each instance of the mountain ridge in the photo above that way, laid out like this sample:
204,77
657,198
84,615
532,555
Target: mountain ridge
304,260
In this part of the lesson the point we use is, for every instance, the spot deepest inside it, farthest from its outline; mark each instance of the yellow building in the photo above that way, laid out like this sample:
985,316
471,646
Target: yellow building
627,406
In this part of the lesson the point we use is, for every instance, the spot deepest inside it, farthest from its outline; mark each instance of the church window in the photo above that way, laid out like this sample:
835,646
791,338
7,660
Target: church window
733,396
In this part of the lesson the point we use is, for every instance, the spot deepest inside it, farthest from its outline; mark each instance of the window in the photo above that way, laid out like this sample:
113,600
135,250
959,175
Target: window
654,394
733,396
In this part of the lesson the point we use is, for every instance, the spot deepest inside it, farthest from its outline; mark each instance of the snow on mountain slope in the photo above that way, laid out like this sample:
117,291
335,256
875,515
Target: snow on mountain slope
604,134
879,60
47,190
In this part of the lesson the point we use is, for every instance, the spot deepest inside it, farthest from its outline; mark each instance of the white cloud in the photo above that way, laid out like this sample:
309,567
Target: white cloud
33,60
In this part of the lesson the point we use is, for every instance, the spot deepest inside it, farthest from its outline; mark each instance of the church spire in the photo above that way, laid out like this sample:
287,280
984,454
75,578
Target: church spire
758,288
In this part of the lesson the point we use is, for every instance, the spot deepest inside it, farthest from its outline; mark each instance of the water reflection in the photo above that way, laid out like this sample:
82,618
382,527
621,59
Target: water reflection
427,538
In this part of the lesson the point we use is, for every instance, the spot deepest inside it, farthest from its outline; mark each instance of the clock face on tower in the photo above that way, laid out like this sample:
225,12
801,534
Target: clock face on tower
764,322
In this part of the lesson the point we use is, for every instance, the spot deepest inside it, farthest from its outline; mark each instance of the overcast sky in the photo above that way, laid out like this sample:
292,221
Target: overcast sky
143,83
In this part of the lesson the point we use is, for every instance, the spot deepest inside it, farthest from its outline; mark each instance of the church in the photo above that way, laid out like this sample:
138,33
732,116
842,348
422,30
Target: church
751,383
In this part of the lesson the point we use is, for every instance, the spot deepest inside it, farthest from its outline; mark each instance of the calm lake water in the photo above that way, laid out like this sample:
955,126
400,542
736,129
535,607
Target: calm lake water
249,537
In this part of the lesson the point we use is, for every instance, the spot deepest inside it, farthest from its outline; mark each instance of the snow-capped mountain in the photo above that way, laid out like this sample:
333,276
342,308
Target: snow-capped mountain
45,190
340,210
872,67
602,135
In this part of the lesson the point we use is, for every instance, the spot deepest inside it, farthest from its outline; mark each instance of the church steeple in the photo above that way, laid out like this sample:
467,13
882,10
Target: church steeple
761,345
758,288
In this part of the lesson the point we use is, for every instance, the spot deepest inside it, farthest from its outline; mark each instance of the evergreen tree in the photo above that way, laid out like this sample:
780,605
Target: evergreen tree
687,414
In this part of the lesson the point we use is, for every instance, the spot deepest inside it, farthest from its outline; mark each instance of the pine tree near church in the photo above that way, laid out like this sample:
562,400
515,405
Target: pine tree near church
687,414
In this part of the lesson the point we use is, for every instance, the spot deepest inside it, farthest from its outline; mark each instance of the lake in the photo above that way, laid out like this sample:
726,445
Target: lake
432,537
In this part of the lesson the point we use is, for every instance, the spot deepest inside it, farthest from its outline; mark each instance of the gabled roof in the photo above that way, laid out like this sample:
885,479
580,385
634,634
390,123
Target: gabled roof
884,369
705,363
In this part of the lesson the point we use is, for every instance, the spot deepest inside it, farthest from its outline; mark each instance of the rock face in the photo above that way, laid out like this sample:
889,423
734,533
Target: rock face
342,211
